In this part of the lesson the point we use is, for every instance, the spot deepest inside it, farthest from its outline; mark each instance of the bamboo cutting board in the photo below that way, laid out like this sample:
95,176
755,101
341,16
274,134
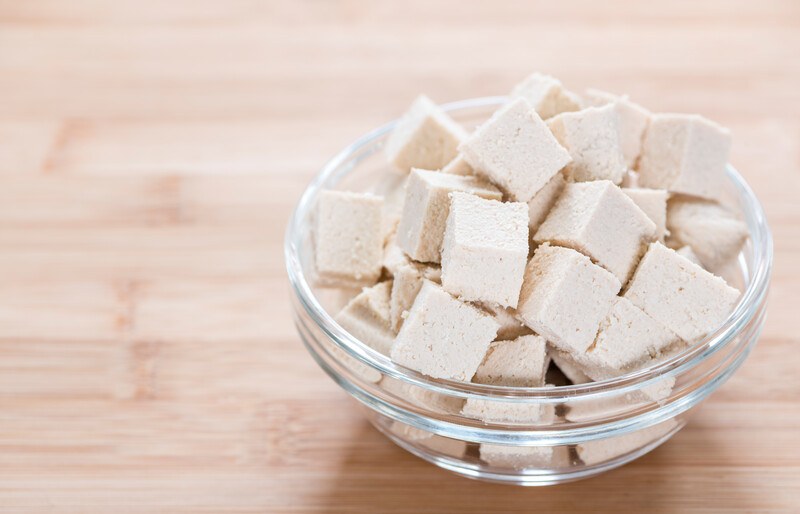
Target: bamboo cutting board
150,153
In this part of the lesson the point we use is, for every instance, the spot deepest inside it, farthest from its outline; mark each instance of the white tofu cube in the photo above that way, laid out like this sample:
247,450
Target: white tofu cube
633,120
547,95
521,362
443,337
485,249
652,202
425,137
565,297
348,237
515,150
407,283
599,220
591,137
427,203
628,339
713,232
521,457
541,203
684,153
570,370
679,294
458,166
367,317
510,326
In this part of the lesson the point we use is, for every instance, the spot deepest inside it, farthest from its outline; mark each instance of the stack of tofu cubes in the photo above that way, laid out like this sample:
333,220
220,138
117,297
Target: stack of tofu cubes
580,231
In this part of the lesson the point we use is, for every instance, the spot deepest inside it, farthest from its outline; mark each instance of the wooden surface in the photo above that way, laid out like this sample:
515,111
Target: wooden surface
150,153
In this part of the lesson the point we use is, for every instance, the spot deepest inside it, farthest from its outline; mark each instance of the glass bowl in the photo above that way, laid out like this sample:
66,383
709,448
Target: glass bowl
536,436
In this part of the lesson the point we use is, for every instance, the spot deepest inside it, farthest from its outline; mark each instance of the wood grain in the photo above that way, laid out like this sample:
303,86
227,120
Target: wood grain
150,154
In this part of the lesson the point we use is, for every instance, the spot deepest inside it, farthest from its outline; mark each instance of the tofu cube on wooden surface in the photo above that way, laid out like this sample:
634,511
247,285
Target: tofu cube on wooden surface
712,231
515,150
684,153
599,220
485,249
547,95
442,336
632,118
565,297
591,137
425,137
367,317
427,203
652,202
679,294
348,236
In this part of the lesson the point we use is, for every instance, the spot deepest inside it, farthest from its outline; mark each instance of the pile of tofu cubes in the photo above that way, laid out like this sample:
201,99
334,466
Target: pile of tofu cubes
569,232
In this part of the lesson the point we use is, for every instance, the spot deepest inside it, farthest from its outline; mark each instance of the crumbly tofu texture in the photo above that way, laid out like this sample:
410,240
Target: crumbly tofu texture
519,457
679,294
591,137
427,203
515,150
541,203
684,153
652,202
485,249
443,337
521,362
633,120
565,297
628,338
367,317
712,231
600,221
348,237
425,137
547,95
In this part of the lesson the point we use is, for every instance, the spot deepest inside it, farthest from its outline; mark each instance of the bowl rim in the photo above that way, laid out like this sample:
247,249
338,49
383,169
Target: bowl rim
749,303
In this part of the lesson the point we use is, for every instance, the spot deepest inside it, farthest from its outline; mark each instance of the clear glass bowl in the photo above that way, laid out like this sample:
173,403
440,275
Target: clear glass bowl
546,435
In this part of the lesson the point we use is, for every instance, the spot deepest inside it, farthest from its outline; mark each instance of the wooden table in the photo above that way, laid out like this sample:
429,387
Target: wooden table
150,153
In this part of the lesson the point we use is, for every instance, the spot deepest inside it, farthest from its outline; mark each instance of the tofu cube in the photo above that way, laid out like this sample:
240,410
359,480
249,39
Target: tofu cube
427,203
510,326
591,137
367,317
684,153
600,221
539,206
521,362
679,294
565,297
425,137
633,120
515,150
603,450
348,237
712,231
570,370
521,457
547,95
628,339
485,249
443,337
652,202
407,283
458,166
